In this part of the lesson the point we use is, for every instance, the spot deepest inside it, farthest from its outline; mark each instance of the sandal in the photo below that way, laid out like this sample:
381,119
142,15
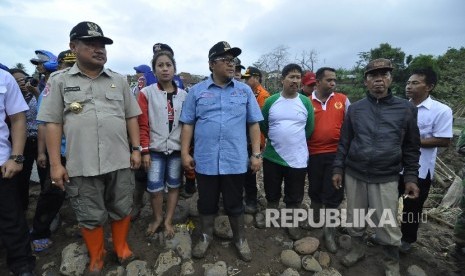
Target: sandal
41,244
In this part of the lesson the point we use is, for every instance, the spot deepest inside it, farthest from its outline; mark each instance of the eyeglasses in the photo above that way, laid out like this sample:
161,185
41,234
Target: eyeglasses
384,75
227,60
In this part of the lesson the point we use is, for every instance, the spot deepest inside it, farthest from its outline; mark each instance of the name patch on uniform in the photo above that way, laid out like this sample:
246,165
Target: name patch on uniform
72,89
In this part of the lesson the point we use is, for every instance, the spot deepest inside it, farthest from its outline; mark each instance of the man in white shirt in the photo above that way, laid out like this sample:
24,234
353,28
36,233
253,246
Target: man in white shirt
14,232
435,124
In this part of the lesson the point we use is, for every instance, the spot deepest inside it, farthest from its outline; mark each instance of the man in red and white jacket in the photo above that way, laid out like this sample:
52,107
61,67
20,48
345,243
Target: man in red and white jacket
329,108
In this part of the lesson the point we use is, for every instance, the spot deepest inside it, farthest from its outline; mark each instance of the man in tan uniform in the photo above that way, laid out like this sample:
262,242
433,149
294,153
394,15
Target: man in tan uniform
95,109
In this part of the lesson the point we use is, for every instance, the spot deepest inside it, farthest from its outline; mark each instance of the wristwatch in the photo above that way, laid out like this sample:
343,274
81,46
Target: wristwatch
17,158
257,155
139,148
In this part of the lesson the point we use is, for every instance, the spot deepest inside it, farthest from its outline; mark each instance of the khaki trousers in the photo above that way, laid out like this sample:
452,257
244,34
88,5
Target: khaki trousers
382,197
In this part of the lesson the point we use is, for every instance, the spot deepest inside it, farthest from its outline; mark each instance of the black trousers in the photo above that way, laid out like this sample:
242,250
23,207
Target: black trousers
23,177
250,187
411,214
14,232
230,186
250,184
48,205
294,182
320,174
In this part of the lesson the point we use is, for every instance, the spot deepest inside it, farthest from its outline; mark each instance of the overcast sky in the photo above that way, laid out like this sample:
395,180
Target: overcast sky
336,29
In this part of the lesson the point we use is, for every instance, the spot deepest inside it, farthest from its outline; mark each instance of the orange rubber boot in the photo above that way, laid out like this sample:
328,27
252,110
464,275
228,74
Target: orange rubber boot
119,230
94,242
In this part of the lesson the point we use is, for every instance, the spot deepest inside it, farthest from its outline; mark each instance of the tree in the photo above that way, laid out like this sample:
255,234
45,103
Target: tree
451,85
350,82
397,57
271,65
307,60
423,61
20,66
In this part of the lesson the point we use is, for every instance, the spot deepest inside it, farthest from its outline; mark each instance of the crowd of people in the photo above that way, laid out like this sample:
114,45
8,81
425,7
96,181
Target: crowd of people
103,145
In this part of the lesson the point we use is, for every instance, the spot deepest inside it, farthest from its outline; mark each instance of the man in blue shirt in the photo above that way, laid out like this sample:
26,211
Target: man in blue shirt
217,112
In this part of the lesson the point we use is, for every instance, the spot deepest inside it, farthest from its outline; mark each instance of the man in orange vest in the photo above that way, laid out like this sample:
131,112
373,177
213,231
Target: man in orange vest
329,108
253,78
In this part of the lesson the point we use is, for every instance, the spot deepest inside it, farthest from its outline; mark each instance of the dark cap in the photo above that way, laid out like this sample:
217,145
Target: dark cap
309,78
237,61
142,68
252,71
222,48
157,47
67,57
377,64
88,30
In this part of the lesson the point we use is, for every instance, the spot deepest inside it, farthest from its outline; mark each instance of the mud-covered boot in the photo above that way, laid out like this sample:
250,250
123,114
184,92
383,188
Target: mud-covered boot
315,208
330,235
206,236
356,254
391,260
240,242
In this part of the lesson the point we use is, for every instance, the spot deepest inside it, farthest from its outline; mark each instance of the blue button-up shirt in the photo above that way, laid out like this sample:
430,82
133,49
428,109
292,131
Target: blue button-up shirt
220,116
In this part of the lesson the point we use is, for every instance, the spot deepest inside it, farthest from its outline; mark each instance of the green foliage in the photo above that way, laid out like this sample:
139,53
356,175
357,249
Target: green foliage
450,68
350,82
423,61
451,85
397,57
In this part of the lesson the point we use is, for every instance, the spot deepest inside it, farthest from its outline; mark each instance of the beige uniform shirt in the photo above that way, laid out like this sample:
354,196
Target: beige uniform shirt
96,137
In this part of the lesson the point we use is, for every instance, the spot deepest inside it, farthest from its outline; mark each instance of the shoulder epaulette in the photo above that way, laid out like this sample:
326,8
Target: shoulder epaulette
60,72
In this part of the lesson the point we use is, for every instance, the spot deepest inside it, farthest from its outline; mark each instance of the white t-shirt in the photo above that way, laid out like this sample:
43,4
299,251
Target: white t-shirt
287,120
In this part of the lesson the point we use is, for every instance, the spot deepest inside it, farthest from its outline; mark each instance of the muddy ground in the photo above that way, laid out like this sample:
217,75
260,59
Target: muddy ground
433,252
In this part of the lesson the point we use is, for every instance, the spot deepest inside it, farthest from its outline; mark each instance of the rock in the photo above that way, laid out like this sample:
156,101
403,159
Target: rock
217,269
307,245
165,261
328,272
138,268
119,271
316,255
324,259
234,271
248,219
310,264
181,243
415,270
222,227
48,265
291,259
260,220
181,213
290,272
187,268
288,244
345,242
74,259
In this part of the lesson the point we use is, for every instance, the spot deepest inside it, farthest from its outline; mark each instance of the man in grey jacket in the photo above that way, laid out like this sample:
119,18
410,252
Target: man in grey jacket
379,139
